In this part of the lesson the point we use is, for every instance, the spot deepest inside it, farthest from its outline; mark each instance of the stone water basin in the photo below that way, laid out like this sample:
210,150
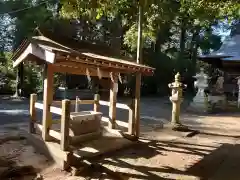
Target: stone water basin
84,122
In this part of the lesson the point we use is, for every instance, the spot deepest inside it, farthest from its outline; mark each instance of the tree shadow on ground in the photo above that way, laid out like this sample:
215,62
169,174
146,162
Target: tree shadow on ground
118,162
9,165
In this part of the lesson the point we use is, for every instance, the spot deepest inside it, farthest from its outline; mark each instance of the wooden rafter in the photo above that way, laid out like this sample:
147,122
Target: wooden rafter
113,67
78,70
33,49
125,67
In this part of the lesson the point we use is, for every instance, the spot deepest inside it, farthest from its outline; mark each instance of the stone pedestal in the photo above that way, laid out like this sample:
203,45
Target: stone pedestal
176,99
238,83
200,101
217,99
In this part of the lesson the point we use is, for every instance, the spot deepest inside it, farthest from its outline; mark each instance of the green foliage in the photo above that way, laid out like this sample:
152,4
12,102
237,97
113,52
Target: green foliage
24,22
130,38
174,32
32,79
7,75
19,25
209,41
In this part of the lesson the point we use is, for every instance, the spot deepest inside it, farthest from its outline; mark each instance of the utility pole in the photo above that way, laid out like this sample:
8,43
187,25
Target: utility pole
140,22
138,75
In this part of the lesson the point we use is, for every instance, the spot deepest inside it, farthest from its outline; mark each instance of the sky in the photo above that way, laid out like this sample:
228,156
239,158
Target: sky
223,29
225,34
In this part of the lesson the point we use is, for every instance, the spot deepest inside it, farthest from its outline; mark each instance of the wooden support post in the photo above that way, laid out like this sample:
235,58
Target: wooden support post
131,121
113,102
33,118
65,123
47,101
96,104
76,104
137,104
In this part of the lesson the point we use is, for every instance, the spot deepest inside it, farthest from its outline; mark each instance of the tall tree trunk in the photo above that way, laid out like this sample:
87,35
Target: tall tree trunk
158,42
194,48
19,81
104,29
116,43
195,52
162,36
193,56
116,39
180,60
58,8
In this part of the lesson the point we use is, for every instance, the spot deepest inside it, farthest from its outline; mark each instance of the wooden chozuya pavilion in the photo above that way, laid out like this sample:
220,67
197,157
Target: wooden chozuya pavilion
62,143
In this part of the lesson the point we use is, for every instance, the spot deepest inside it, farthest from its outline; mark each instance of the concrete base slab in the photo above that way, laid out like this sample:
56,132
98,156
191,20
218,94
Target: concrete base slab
50,149
107,143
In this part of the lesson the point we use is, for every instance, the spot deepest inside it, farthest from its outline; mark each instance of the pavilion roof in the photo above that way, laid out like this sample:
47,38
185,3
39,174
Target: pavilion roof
227,57
83,55
229,51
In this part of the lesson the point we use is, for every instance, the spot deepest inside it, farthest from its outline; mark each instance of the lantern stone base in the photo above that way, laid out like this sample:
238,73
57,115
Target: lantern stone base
217,102
179,127
199,104
198,107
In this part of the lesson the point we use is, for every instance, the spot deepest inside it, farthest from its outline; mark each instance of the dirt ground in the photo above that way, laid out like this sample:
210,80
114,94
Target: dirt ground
160,154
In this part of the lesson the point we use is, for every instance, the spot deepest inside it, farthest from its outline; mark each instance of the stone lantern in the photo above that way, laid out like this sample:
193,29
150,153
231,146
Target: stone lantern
200,101
238,84
176,99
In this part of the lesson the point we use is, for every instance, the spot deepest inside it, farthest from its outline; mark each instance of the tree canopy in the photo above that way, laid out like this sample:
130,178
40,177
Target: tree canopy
174,32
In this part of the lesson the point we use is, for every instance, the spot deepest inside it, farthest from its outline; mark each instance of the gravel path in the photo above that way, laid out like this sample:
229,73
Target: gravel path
213,154
13,111
155,109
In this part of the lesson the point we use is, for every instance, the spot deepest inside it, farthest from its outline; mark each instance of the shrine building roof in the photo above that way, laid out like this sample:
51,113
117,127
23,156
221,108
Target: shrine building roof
75,57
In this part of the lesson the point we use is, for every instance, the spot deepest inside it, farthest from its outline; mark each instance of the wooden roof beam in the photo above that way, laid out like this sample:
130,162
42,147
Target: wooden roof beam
37,51
80,71
91,66
115,65
95,63
102,68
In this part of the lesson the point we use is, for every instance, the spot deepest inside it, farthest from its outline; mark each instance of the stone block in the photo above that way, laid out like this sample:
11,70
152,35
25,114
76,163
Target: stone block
85,122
